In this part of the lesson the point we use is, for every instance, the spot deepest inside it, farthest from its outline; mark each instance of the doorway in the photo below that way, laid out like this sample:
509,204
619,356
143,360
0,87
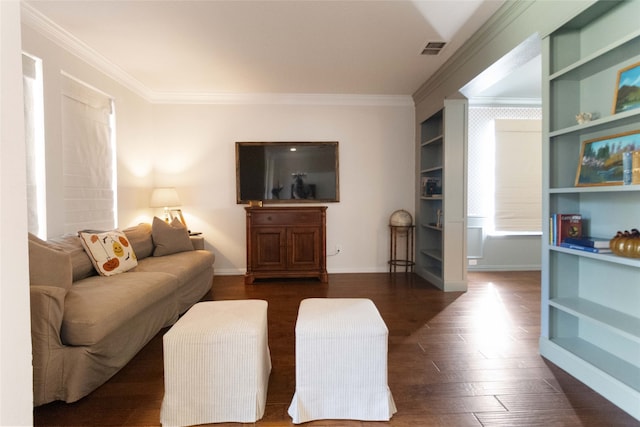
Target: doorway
508,91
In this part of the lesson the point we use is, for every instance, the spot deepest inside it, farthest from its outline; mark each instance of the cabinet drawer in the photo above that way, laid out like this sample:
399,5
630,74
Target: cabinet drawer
286,218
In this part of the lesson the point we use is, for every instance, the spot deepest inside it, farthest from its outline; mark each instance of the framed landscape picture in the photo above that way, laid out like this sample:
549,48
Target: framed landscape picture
601,159
627,89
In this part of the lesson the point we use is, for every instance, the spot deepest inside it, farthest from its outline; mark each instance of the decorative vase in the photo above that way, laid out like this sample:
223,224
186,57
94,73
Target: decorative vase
617,243
632,245
626,244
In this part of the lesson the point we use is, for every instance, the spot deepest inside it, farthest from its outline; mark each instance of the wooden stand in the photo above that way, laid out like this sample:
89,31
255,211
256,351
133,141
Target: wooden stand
286,242
407,262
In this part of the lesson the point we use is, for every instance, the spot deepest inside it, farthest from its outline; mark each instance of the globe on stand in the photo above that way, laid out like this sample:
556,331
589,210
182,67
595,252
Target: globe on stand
401,218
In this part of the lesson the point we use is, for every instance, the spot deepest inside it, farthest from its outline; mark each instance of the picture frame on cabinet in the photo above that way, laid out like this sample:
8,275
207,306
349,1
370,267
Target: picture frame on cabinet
177,213
600,160
627,89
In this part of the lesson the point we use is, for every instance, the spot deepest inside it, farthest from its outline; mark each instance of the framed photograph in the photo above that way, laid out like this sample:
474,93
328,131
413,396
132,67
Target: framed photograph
627,89
177,213
601,159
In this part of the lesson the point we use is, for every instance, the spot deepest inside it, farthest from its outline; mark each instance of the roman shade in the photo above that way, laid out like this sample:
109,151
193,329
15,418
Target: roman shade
88,158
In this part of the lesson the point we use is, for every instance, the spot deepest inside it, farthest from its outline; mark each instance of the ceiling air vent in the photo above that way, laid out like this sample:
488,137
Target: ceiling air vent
433,48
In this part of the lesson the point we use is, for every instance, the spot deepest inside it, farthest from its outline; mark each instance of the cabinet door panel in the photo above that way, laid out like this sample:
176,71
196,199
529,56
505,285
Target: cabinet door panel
269,249
304,248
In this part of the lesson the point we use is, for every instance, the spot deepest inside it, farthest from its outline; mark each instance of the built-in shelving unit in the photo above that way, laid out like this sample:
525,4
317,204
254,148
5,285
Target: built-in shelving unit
441,198
430,228
591,302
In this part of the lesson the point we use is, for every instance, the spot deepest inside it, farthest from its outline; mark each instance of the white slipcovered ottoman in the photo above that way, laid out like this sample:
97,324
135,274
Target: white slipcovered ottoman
217,364
341,362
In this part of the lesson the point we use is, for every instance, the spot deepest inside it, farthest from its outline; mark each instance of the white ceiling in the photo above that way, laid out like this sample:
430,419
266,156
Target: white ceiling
360,47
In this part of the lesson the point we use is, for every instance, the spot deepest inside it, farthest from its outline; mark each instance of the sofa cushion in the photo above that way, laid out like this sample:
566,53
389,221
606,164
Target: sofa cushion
98,306
80,261
169,238
49,265
140,238
183,265
110,252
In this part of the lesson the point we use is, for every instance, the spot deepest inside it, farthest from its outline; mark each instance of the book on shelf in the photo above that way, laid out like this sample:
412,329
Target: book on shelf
592,242
431,186
564,225
585,248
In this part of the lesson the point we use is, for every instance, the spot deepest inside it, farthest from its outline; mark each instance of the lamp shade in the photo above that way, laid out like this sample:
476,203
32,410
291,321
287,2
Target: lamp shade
164,197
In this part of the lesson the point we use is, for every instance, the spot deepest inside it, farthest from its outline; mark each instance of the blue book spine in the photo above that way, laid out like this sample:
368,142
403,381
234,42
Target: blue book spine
586,241
583,248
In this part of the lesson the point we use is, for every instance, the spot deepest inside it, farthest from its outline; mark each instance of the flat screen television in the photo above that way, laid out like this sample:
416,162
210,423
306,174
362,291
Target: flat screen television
287,172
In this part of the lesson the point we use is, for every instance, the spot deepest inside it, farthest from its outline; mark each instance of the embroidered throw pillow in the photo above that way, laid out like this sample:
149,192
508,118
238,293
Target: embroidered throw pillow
110,251
169,238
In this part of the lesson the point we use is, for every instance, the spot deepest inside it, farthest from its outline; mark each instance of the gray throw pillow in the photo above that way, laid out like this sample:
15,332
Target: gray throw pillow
140,238
169,238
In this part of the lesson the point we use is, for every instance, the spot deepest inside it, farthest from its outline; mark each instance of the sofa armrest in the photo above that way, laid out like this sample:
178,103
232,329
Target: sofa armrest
47,309
197,242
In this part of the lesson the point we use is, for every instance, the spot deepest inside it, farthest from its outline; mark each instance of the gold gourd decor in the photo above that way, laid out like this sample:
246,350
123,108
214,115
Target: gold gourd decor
626,243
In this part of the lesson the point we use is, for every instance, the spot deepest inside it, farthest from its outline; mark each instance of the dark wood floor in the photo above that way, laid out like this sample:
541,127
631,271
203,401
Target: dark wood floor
455,359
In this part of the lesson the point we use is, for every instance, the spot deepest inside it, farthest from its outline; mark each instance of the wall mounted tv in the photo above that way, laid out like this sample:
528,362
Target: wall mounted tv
287,172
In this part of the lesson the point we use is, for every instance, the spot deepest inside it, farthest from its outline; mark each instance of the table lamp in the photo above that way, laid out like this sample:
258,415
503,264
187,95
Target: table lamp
165,198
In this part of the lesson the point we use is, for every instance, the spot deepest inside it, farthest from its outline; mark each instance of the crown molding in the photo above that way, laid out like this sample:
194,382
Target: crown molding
281,99
52,31
489,30
58,35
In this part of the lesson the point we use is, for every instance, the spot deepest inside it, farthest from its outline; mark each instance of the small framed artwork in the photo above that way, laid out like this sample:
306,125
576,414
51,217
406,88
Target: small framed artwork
601,159
177,213
627,89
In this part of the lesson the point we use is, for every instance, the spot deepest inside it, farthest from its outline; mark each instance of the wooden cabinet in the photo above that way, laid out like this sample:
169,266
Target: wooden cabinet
590,310
285,242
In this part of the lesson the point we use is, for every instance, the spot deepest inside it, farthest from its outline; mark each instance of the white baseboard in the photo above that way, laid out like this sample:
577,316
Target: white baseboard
533,267
242,271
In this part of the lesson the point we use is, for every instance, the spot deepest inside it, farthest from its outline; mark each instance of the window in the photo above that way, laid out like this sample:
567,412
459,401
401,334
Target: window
34,145
504,181
89,171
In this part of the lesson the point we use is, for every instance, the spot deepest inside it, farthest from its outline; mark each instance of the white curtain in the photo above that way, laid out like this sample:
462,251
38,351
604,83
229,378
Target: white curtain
88,158
518,175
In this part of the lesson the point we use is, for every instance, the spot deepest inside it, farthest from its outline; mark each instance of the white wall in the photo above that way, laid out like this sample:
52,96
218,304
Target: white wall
16,398
193,149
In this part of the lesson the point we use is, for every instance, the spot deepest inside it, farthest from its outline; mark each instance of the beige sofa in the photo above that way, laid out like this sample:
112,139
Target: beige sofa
85,327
